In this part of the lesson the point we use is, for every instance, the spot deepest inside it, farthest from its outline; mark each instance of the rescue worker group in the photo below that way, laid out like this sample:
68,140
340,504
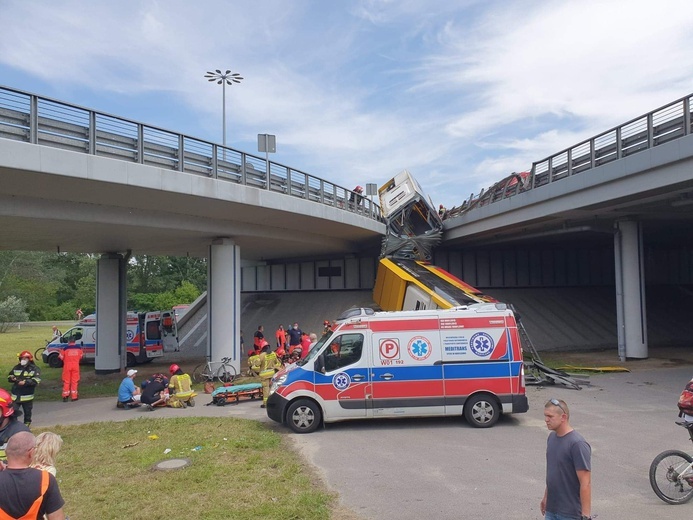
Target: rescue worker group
158,390
175,390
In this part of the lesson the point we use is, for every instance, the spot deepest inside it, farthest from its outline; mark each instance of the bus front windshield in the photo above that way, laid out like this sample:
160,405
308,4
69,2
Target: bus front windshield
316,349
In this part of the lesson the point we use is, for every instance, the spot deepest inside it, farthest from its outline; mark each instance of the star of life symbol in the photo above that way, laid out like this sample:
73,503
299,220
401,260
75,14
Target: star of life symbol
341,381
419,348
481,344
130,335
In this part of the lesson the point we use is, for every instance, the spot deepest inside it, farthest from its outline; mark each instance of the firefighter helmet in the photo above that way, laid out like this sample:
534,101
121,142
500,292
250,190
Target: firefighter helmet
173,369
6,408
25,354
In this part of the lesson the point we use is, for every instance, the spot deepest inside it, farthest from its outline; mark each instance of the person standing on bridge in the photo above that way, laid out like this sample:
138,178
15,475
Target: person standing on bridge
568,493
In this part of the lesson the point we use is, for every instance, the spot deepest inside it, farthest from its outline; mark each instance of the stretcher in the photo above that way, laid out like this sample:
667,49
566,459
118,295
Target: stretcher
234,393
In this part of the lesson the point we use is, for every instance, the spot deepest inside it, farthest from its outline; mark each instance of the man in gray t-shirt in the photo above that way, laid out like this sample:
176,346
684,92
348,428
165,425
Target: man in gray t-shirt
568,494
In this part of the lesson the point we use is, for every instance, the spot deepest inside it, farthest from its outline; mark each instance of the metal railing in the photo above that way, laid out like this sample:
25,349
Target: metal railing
660,126
39,120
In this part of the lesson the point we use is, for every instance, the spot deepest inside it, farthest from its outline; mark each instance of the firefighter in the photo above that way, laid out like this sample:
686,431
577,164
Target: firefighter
24,377
9,425
253,363
71,356
180,387
269,364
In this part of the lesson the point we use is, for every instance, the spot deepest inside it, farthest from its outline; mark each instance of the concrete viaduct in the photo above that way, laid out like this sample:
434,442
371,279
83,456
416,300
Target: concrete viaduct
72,179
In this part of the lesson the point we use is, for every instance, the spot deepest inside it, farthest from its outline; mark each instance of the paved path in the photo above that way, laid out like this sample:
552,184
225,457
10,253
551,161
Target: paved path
48,414
444,469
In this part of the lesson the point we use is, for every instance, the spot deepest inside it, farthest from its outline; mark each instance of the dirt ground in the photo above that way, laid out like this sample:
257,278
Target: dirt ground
659,357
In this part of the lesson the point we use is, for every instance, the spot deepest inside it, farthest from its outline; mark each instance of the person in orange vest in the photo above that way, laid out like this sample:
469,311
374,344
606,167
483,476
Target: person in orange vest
71,356
281,337
27,492
259,338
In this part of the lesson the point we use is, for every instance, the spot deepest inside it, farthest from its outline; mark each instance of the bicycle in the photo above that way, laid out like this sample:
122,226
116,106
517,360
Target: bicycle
39,351
222,370
671,473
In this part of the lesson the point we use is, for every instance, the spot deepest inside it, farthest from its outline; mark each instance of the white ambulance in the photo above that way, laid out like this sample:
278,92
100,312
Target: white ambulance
148,336
461,361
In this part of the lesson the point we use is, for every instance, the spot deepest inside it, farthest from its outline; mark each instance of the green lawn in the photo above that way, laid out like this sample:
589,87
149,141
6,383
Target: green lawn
238,468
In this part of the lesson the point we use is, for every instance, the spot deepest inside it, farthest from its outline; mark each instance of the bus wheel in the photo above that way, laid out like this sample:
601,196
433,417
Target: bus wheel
482,411
303,416
54,361
131,359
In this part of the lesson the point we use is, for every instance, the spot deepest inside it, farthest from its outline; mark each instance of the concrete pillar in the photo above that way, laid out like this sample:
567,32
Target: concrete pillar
224,302
630,291
111,289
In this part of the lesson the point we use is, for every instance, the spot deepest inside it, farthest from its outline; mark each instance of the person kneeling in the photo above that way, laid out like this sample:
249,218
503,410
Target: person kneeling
155,392
180,387
128,393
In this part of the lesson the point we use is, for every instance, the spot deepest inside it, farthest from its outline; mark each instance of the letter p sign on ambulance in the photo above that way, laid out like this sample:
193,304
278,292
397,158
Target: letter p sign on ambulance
389,348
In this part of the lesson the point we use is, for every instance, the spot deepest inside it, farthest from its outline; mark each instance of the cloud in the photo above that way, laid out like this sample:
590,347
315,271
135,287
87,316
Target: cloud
460,93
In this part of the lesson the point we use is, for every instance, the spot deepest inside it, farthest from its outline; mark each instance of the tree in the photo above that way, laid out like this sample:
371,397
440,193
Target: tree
12,310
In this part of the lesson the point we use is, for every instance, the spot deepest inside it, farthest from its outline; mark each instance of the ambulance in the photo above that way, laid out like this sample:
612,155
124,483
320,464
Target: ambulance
148,336
465,361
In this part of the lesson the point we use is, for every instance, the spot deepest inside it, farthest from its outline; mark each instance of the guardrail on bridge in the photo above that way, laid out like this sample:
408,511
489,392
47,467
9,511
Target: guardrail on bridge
44,121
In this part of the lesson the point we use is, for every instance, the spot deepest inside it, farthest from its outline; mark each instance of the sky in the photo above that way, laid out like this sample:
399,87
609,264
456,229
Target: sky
459,92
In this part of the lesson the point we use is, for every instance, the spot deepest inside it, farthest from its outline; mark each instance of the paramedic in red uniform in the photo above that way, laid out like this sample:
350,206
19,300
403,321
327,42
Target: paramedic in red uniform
71,356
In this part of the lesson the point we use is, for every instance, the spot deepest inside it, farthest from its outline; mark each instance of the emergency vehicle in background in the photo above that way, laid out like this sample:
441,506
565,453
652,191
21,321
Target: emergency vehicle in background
149,335
461,361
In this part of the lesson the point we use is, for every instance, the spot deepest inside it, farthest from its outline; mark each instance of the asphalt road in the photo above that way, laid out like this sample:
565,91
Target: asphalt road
445,469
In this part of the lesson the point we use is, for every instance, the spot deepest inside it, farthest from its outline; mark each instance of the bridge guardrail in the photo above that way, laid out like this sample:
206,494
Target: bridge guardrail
672,121
39,120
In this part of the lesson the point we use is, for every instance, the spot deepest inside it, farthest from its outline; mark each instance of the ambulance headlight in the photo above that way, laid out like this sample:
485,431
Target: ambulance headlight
276,383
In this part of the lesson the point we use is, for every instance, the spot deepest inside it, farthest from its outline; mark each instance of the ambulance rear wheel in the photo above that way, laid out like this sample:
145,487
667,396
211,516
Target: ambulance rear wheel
54,361
482,411
303,416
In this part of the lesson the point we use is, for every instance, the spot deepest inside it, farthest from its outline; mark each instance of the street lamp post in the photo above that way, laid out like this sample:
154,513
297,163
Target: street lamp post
223,79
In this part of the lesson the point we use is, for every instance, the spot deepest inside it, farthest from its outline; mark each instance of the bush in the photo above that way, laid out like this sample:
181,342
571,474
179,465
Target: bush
12,310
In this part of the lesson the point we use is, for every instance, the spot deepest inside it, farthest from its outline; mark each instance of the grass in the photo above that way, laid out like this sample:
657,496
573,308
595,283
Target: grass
242,469
32,336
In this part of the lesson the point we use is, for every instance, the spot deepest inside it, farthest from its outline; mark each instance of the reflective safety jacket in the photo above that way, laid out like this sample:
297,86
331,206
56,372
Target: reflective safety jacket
33,512
181,386
269,364
31,375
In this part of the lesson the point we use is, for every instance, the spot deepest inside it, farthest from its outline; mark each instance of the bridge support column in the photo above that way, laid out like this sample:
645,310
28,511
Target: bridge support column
224,302
631,314
111,290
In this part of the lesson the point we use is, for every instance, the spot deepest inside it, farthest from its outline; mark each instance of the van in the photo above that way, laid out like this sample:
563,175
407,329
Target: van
148,336
465,361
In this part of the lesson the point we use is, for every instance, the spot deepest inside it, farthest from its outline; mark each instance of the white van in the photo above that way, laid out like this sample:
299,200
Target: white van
461,361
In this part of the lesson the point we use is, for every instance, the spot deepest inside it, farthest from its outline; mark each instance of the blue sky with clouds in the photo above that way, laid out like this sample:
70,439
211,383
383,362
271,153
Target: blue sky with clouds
461,92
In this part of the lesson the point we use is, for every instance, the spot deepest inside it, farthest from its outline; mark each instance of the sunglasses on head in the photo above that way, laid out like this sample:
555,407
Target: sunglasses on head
556,402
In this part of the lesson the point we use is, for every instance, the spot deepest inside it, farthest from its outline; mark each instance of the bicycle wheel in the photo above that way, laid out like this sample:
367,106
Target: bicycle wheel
201,374
671,476
226,373
37,353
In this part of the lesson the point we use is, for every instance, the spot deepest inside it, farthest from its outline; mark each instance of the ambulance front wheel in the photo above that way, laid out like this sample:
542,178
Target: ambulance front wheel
482,411
54,361
303,416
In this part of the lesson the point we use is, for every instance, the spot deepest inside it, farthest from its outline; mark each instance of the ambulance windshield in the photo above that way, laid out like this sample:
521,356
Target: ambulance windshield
316,348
